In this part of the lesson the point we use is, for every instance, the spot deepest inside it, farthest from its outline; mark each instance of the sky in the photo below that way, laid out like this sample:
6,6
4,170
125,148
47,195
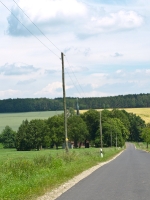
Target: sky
106,46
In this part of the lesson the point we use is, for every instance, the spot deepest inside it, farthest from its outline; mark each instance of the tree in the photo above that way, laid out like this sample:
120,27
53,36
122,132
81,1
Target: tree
92,120
136,126
77,130
38,134
146,134
7,138
21,137
32,135
114,132
56,126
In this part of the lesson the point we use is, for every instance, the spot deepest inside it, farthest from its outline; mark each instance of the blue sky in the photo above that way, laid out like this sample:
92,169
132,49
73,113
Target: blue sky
106,45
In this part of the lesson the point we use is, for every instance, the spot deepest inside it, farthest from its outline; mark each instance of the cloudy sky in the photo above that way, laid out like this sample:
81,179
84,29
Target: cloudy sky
106,45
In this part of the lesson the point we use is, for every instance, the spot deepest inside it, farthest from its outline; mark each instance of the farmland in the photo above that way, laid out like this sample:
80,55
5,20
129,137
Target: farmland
144,113
15,119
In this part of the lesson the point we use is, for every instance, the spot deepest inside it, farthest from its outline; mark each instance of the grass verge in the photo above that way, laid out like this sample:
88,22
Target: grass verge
142,146
28,177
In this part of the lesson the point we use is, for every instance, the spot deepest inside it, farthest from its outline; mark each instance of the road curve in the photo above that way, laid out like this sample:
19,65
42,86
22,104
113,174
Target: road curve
125,178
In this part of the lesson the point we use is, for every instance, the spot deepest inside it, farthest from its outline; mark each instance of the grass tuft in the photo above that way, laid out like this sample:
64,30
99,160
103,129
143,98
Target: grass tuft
28,177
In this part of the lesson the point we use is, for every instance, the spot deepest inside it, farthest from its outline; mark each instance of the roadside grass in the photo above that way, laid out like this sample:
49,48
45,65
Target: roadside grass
1,146
27,175
142,146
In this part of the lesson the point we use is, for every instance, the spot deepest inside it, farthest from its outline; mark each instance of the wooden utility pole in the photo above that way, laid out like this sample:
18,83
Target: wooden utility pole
116,140
101,131
64,102
111,137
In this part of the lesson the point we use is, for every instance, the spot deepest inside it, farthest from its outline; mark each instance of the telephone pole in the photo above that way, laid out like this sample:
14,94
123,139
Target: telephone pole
116,140
77,107
64,103
101,131
100,126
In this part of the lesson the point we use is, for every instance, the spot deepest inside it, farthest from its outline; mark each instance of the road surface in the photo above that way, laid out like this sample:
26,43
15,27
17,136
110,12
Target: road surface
125,178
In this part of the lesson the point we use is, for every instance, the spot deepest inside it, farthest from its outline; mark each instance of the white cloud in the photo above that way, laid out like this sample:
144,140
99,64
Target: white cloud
148,71
119,71
117,55
70,15
54,88
100,75
49,14
8,93
17,69
121,20
107,45
44,10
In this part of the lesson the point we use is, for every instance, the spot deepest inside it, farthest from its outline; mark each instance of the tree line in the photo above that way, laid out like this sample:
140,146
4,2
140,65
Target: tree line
118,126
45,104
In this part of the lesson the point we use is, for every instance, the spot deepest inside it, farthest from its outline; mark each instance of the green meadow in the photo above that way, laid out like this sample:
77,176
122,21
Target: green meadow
27,175
15,119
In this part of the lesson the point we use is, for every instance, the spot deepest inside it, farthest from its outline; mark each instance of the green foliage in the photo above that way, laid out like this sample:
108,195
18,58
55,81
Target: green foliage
118,126
71,112
146,134
91,118
136,126
7,138
44,104
77,130
32,135
56,126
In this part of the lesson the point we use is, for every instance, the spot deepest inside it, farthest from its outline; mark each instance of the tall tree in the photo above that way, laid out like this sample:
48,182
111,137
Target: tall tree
92,120
136,126
7,137
77,130
32,135
146,134
56,126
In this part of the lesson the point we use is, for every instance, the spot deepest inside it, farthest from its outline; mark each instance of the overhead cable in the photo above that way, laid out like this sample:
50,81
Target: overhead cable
37,26
28,29
74,75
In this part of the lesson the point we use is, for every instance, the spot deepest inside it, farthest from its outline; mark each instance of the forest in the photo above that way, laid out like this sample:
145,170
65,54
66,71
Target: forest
45,104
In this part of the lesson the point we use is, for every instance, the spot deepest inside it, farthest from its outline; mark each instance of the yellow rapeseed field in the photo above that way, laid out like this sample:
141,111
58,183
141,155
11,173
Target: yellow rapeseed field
144,113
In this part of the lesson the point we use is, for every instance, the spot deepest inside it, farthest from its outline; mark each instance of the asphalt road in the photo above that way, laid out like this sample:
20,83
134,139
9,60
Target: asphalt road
125,178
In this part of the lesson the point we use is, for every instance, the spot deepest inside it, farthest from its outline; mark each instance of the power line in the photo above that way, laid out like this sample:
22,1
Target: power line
73,82
75,76
41,41
28,29
37,26
46,36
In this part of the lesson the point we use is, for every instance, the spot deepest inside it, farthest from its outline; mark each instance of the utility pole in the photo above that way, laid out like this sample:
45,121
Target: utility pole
111,134
101,131
64,103
77,107
111,137
100,124
116,140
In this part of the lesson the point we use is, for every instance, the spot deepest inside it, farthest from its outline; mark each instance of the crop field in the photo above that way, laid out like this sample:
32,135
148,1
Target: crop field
144,113
15,119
